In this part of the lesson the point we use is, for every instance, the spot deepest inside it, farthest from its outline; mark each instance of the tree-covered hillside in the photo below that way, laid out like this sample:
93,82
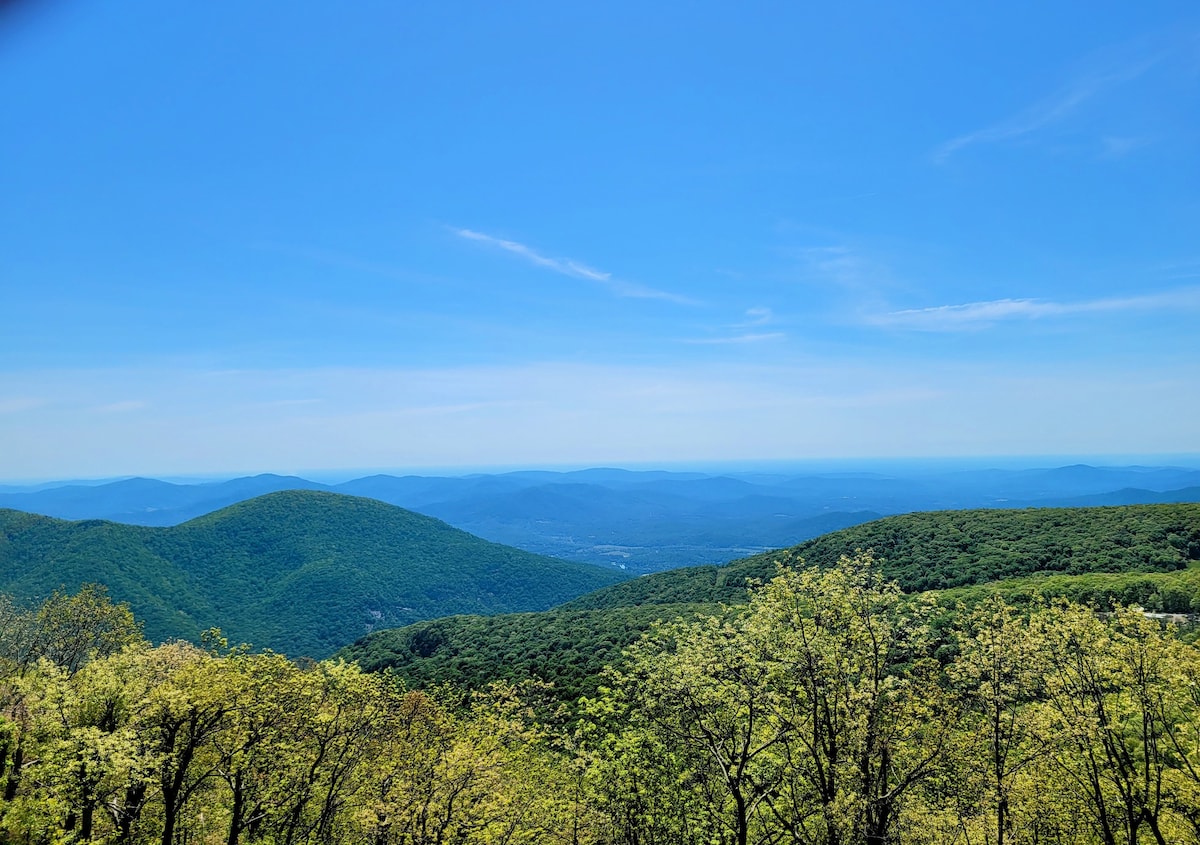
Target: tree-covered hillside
643,521
301,572
1101,555
932,551
829,708
941,549
567,648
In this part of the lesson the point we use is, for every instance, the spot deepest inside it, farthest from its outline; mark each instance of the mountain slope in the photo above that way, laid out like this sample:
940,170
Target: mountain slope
921,551
146,501
643,521
943,549
302,572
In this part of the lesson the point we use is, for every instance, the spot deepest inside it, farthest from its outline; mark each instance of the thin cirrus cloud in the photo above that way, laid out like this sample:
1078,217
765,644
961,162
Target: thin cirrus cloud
974,315
123,407
1051,111
838,264
573,269
847,268
755,318
758,316
750,337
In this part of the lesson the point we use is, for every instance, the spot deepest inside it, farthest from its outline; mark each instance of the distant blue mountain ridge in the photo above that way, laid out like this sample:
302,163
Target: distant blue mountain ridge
641,521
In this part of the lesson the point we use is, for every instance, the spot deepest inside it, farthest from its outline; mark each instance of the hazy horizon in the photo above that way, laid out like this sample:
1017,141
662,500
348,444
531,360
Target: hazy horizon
900,466
286,235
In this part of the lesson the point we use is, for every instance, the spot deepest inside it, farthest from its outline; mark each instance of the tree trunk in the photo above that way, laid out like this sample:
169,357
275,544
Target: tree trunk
237,810
14,774
86,820
743,824
170,815
128,813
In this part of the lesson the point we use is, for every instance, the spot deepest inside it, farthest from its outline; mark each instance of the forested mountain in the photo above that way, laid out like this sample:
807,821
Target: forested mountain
924,551
301,572
644,521
822,705
1141,553
147,501
828,708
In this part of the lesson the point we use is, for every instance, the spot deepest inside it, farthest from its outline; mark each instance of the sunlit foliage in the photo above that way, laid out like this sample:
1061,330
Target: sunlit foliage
828,710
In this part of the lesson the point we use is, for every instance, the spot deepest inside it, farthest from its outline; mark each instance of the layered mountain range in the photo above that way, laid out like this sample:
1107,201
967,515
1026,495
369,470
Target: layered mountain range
641,521
303,572
1147,555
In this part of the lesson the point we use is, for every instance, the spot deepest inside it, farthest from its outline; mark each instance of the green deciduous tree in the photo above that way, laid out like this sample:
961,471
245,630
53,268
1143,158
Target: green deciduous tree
808,717
1115,706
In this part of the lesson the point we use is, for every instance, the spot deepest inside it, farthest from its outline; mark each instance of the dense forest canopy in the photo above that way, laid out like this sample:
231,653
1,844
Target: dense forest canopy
828,709
833,703
1105,556
301,572
941,549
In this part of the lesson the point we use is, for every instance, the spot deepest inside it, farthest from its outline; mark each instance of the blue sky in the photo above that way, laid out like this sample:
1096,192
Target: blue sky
285,236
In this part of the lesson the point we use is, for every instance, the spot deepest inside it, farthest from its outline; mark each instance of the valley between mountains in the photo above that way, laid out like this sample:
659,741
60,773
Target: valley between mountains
301,572
308,572
955,673
642,521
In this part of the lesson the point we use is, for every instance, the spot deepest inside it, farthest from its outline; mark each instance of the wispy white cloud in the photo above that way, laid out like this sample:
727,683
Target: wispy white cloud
743,331
1051,110
752,337
757,316
845,267
574,269
289,403
121,407
635,291
559,265
836,263
973,315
